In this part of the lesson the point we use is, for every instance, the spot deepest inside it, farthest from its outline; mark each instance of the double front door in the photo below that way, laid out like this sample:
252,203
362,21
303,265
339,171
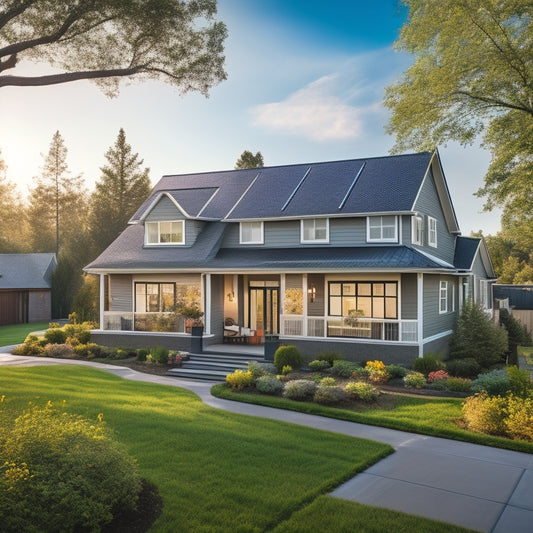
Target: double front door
264,309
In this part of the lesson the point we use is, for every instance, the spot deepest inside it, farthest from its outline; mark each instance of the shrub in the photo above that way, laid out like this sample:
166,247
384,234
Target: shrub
81,332
256,370
517,335
300,390
287,369
396,371
318,365
42,488
240,379
344,369
121,353
495,383
269,385
519,421
55,336
458,384
288,356
327,382
142,353
269,368
485,414
331,357
475,335
326,395
32,346
360,390
361,373
414,380
89,350
438,375
59,350
377,371
158,354
429,363
519,381
463,368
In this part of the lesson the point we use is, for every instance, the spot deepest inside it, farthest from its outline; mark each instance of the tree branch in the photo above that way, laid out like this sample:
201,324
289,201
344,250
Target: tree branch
14,11
10,62
54,79
494,102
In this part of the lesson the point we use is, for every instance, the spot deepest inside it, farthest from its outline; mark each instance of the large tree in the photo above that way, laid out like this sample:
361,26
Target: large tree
249,160
472,75
123,186
178,41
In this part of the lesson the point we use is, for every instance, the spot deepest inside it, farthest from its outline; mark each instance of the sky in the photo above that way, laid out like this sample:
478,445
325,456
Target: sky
305,83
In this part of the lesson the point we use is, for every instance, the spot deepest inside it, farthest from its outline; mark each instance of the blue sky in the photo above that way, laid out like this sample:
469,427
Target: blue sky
305,83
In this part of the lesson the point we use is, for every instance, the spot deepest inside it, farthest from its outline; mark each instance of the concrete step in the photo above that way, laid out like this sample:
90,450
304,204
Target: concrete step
203,375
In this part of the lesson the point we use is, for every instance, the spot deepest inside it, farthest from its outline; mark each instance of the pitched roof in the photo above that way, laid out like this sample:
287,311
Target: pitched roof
465,252
26,271
372,185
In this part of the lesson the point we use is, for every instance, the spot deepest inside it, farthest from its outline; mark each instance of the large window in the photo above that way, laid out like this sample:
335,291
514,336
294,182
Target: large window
382,229
314,230
164,232
251,233
375,299
154,297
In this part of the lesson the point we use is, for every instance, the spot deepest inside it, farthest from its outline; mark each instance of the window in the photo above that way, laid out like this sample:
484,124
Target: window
443,297
382,229
432,232
315,230
164,232
251,233
154,297
374,299
417,230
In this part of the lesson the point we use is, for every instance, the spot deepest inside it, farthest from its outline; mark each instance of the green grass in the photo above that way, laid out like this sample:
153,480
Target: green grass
527,352
330,514
16,334
424,415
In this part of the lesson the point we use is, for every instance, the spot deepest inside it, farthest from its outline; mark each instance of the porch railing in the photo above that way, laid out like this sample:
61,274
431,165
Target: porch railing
154,322
348,327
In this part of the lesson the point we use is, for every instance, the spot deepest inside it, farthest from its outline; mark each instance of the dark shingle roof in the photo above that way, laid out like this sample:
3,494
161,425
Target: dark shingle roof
465,251
26,271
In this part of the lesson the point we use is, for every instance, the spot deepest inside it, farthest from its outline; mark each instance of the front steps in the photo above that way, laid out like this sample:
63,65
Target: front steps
213,366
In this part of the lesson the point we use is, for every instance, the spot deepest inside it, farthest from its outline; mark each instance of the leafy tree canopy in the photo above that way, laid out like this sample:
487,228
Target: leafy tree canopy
473,74
249,160
179,42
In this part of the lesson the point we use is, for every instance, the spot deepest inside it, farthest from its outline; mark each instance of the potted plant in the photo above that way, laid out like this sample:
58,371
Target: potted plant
193,323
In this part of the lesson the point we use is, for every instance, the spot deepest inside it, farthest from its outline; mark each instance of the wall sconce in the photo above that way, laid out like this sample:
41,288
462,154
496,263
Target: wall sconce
312,293
231,296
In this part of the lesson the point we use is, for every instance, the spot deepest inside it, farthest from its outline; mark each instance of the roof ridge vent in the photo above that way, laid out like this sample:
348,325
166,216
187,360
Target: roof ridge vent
295,190
350,189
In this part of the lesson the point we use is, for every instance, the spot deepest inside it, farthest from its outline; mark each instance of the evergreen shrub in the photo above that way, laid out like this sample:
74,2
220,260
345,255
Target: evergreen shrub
269,384
300,390
288,356
330,395
344,369
463,368
361,390
430,362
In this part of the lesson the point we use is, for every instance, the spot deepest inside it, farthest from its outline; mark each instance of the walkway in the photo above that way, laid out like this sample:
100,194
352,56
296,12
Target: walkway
482,488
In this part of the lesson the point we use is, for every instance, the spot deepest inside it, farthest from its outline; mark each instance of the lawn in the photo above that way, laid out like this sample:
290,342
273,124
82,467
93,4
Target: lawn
216,471
417,414
16,334
527,352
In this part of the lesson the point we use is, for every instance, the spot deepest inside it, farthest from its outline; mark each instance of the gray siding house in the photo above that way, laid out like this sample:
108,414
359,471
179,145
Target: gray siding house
362,256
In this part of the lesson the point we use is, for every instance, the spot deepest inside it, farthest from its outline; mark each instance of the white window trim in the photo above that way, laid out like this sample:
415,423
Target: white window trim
417,222
159,243
305,241
443,297
262,239
432,233
392,239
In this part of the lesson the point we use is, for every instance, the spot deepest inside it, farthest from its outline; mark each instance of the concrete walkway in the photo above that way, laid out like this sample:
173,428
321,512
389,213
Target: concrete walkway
478,487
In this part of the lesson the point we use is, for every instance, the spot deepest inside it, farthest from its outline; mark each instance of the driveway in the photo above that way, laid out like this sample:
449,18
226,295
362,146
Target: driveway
478,487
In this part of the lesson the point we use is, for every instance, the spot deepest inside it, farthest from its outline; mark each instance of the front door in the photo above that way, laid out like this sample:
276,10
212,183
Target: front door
264,309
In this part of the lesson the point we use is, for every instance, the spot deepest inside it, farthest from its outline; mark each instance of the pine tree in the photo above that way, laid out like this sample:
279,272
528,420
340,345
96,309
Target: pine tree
123,186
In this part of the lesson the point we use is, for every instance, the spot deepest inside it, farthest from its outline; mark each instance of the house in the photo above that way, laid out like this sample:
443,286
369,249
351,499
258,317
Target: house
518,299
362,256
26,288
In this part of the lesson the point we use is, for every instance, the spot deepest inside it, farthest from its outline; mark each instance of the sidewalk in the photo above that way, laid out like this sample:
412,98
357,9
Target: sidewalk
478,487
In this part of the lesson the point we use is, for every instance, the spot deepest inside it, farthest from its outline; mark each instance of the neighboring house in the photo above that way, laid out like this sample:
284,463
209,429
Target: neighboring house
362,256
26,288
518,299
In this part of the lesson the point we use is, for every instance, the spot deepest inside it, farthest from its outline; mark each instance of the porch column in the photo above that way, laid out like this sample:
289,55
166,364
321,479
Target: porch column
102,297
207,299
306,296
420,313
281,303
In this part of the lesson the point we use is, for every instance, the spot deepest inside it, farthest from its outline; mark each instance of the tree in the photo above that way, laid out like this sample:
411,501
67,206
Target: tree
472,74
108,40
249,160
122,188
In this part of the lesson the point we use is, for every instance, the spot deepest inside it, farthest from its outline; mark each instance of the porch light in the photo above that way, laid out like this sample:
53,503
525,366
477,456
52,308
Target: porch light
231,296
312,293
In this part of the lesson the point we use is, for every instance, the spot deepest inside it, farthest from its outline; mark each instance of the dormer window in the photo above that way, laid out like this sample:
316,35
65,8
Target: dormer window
314,230
382,229
165,233
251,233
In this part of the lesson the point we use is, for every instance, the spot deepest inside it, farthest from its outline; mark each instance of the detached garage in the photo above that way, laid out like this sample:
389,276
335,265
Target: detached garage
26,288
